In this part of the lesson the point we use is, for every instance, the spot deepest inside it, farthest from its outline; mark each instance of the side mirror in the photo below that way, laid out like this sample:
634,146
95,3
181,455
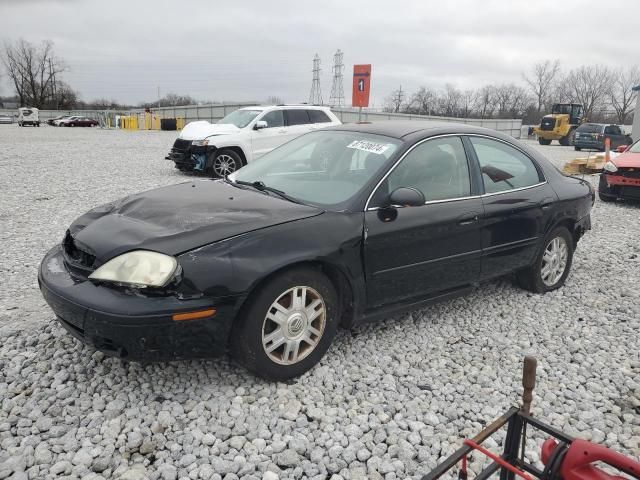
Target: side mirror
622,148
260,124
406,197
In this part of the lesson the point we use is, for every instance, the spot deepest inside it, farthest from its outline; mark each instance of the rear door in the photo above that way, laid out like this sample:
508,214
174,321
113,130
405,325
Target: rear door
266,139
319,119
297,121
517,203
427,250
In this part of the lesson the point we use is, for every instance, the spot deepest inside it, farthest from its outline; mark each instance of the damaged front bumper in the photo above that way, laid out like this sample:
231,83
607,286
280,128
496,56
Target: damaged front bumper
129,324
188,157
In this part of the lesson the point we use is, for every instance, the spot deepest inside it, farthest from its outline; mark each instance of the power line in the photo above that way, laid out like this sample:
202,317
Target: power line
315,97
337,89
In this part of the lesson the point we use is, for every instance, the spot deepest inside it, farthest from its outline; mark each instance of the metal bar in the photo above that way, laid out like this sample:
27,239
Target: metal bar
546,428
527,467
455,457
501,460
512,445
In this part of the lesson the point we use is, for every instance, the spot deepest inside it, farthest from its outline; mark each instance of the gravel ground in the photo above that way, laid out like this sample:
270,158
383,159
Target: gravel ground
388,400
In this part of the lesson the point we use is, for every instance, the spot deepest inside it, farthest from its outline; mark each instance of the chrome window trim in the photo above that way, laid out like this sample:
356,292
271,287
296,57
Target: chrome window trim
393,167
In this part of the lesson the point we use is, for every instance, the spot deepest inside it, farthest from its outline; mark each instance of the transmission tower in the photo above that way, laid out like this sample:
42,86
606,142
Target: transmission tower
315,97
337,89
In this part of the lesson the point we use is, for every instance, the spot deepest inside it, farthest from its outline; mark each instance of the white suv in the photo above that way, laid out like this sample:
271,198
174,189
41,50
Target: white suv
244,135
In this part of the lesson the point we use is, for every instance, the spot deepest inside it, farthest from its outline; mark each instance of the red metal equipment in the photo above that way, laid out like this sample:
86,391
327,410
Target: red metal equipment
564,457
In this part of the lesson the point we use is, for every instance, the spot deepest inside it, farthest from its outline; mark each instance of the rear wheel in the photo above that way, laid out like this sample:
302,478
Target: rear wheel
544,141
552,265
288,325
225,163
567,140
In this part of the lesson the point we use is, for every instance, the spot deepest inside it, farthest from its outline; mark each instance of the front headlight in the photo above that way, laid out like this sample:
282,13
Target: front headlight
610,167
140,268
200,143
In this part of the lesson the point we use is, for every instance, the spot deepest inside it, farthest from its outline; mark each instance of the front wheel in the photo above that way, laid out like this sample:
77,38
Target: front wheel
287,326
544,141
605,192
225,163
552,265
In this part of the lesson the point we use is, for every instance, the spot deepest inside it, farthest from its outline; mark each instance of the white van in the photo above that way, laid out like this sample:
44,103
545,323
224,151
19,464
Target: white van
28,116
242,136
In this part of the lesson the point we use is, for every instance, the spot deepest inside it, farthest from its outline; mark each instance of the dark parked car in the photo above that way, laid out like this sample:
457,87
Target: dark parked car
593,135
78,122
337,227
620,177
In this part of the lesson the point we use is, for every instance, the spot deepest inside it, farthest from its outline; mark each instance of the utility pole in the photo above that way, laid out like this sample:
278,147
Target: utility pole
315,96
337,89
158,98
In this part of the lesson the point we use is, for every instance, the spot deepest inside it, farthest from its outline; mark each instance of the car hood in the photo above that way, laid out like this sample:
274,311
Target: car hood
179,218
627,160
203,129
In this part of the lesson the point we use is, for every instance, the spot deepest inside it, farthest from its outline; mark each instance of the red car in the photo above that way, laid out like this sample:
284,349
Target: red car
78,122
621,176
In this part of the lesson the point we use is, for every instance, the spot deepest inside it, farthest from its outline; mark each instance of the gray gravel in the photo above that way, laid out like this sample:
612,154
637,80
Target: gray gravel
388,400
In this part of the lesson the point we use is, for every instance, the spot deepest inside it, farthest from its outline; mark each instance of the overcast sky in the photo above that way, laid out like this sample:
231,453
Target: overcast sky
250,49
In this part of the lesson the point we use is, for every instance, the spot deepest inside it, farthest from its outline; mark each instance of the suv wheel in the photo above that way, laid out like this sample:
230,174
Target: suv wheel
552,265
287,326
225,163
544,141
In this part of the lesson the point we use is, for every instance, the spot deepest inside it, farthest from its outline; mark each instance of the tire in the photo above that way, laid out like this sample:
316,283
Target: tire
605,193
224,163
253,327
544,141
577,149
533,277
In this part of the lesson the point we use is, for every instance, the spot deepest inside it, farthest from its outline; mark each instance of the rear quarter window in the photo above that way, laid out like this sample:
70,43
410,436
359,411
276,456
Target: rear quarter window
589,128
318,116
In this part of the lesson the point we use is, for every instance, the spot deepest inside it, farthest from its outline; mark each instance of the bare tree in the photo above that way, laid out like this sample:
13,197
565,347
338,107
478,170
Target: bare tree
423,102
33,70
467,102
540,80
395,101
621,93
588,85
450,101
485,101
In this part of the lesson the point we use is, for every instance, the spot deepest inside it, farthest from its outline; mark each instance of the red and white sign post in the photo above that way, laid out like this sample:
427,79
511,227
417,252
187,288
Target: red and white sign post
361,87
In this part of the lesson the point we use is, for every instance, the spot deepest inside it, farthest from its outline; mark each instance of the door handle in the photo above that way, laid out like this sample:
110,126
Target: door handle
468,220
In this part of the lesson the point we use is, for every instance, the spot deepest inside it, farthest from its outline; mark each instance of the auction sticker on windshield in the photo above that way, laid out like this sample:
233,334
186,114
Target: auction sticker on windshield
372,147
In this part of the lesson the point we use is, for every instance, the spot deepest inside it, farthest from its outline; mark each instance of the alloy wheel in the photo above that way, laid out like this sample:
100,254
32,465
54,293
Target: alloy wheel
554,261
224,165
294,325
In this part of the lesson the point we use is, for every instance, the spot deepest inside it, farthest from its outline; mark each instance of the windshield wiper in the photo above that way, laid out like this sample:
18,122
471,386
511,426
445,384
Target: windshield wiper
261,186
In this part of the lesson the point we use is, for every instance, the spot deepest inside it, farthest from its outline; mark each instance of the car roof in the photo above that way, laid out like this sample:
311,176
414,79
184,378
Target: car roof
403,128
297,105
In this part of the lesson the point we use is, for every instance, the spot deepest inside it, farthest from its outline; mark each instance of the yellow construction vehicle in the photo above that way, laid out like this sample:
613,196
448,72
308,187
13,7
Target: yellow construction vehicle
560,124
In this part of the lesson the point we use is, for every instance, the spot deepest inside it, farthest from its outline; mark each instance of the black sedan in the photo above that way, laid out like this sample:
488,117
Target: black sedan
336,227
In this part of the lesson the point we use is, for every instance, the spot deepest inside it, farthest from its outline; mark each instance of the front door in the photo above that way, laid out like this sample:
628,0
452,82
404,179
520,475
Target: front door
266,139
420,251
517,204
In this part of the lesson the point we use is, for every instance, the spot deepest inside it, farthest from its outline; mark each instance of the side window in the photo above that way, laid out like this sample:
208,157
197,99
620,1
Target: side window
503,167
608,130
274,119
297,117
438,168
318,116
615,130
